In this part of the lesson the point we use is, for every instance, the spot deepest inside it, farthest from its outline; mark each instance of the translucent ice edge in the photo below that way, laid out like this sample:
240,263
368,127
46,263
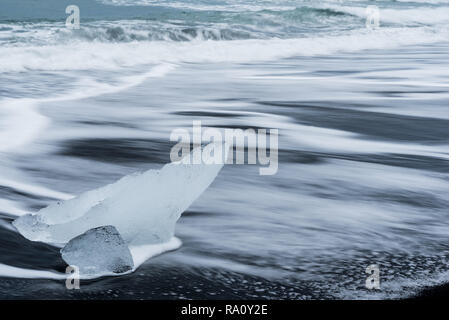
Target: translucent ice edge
144,207
139,253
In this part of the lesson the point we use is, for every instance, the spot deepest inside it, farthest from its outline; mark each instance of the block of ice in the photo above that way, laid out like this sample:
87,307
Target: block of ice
143,207
98,251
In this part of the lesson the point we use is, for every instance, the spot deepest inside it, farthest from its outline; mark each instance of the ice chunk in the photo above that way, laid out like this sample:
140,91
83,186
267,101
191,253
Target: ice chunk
143,207
98,251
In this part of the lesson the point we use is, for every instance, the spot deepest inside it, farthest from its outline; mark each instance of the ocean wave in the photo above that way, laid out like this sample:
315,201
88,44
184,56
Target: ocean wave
220,21
22,122
183,26
306,21
401,16
256,5
113,56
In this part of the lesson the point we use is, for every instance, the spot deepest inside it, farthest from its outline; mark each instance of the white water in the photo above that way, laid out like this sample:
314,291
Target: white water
330,217
111,56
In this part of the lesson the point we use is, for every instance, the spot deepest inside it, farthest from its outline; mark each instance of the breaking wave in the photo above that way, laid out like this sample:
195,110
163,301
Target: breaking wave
110,56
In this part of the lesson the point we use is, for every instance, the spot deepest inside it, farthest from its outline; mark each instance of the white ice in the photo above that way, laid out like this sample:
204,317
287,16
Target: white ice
98,251
143,207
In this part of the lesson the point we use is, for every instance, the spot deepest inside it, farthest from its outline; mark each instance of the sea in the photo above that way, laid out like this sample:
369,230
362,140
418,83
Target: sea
362,112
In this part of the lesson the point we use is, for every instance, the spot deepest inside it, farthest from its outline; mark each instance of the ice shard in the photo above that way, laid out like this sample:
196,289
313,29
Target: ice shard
98,251
143,207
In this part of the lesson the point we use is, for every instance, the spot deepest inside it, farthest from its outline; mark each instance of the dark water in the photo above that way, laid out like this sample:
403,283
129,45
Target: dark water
363,141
